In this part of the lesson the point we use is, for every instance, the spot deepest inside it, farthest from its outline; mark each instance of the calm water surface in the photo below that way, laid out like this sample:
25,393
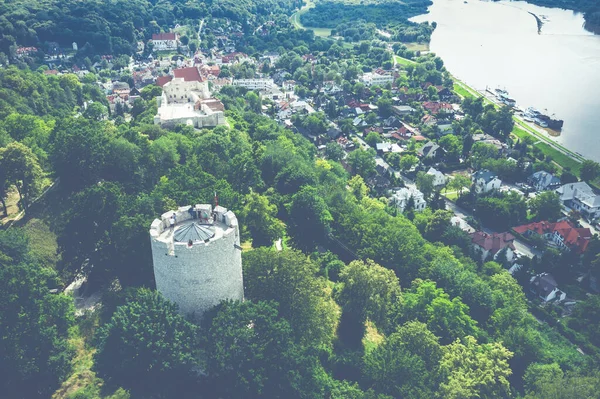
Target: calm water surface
498,45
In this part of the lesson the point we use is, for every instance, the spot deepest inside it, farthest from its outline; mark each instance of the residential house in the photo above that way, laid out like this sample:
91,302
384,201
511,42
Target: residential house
435,107
580,197
489,246
254,84
444,129
562,235
485,181
545,287
165,41
402,110
429,120
377,78
542,181
439,179
400,198
430,150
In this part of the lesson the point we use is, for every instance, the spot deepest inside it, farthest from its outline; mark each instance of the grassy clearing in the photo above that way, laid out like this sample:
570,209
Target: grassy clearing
417,46
372,337
403,61
452,195
462,91
11,207
42,241
561,159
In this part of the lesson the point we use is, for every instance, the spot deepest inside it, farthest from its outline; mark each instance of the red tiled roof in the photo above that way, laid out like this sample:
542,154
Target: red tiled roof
164,36
574,238
493,242
163,80
436,107
189,74
419,138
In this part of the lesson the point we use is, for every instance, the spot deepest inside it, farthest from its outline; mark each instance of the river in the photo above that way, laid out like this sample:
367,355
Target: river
496,44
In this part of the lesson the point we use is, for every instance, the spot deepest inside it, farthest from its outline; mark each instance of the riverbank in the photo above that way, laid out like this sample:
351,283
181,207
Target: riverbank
523,130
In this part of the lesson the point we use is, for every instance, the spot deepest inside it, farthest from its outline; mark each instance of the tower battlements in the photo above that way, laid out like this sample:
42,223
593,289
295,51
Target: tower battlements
197,257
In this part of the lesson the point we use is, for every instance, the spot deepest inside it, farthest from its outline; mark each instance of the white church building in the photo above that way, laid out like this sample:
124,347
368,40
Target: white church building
186,100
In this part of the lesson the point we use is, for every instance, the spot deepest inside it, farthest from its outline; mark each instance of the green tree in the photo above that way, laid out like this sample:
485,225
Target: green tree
78,152
362,162
147,346
251,352
425,184
459,183
373,138
334,151
34,323
448,319
404,364
309,218
254,101
258,217
453,146
407,162
368,292
96,111
471,370
289,278
546,206
590,170
22,170
358,187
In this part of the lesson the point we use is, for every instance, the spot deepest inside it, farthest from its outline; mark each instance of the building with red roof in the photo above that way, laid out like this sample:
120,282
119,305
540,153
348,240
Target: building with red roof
435,108
491,245
562,235
165,41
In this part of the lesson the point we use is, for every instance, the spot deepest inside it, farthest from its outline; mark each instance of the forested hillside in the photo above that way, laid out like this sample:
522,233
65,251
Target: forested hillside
115,26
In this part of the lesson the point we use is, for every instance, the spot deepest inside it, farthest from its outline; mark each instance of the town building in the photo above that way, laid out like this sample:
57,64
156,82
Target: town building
489,246
485,181
430,150
545,287
543,181
165,41
197,257
377,78
186,100
401,197
580,197
562,235
255,84
439,179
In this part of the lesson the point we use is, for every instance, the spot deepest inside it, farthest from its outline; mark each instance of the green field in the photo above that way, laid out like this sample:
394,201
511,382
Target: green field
403,61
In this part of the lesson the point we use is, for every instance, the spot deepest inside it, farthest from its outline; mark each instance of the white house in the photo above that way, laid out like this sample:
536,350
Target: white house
545,287
255,84
439,179
165,41
485,181
491,245
376,79
401,197
580,197
543,181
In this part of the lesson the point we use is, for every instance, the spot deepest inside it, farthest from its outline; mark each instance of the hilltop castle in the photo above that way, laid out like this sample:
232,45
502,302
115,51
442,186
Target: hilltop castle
197,257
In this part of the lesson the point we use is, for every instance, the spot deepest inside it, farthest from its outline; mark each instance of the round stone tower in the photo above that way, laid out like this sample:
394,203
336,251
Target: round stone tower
197,257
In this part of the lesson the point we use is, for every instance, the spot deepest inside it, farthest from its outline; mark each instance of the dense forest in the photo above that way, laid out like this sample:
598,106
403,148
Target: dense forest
114,27
346,17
